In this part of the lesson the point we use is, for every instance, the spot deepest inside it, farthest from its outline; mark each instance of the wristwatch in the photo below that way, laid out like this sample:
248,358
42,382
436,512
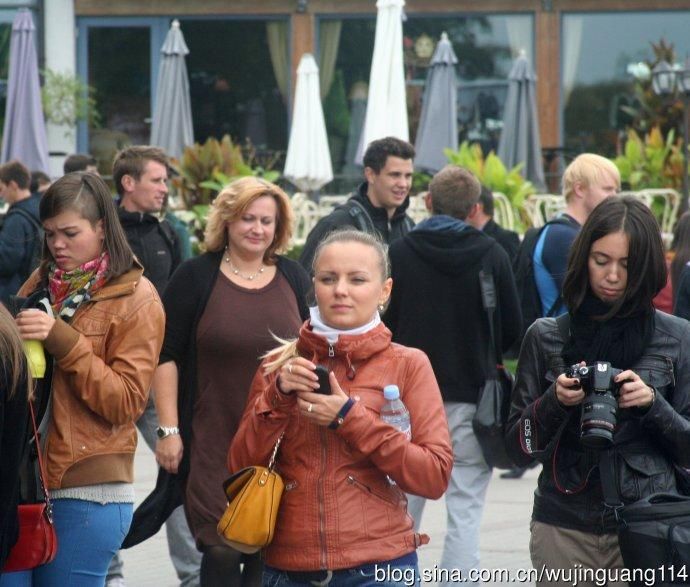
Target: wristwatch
165,431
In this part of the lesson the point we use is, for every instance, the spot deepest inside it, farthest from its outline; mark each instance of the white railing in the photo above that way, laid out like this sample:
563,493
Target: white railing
540,208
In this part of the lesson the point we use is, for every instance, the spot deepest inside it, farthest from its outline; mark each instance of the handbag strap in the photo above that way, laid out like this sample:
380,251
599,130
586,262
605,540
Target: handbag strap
274,454
488,289
41,469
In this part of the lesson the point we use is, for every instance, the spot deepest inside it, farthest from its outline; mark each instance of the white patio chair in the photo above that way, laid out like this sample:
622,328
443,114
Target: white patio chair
669,215
417,208
543,207
504,214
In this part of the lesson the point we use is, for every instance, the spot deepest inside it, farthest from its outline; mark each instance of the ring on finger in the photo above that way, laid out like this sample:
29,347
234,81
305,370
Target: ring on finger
290,368
310,408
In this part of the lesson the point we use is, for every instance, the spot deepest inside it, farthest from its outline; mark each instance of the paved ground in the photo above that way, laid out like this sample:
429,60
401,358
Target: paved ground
504,533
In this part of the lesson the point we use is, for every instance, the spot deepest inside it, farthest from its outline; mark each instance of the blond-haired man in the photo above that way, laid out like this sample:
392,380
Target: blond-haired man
587,181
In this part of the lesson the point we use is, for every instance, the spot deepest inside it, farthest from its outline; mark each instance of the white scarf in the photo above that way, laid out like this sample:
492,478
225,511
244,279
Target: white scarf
331,334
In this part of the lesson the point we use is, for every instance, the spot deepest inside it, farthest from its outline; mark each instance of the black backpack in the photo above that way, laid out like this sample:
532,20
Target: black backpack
34,259
523,267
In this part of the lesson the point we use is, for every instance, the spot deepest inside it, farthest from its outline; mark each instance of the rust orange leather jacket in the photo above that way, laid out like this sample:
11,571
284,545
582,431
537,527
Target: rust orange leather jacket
103,365
339,510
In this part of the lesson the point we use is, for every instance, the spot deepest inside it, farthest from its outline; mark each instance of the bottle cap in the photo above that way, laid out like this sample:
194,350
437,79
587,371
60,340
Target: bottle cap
391,392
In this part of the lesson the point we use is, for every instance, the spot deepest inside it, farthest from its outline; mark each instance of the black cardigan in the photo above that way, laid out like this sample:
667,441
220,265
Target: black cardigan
185,300
14,441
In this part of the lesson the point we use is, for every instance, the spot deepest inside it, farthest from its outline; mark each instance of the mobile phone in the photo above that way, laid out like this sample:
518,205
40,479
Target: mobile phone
324,383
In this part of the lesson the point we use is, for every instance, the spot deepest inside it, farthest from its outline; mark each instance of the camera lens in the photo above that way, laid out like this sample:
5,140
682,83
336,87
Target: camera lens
598,421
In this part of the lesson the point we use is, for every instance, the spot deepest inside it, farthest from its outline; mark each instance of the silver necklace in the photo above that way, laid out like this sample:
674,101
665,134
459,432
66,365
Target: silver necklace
236,271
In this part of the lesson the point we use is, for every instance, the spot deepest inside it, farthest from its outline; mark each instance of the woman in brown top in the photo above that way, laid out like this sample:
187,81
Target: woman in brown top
223,309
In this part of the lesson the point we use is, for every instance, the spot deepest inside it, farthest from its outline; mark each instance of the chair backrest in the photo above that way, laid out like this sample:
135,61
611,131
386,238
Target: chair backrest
327,204
543,207
306,214
670,200
417,208
503,211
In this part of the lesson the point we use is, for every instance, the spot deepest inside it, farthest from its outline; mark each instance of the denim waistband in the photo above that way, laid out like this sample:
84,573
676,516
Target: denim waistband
323,576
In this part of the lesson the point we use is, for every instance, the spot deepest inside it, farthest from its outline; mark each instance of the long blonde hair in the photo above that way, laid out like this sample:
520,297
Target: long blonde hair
288,348
12,355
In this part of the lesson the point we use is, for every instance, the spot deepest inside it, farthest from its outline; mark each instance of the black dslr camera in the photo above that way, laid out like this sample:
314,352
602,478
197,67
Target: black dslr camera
600,406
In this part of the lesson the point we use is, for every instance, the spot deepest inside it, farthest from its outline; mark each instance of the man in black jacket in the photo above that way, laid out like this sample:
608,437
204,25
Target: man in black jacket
436,306
482,218
378,206
21,233
140,175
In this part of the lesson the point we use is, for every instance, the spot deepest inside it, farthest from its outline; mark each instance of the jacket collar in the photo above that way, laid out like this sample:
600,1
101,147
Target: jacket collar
379,213
121,285
354,347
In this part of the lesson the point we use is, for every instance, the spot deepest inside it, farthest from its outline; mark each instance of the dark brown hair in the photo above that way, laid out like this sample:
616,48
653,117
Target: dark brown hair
378,151
78,162
646,263
132,160
16,172
87,194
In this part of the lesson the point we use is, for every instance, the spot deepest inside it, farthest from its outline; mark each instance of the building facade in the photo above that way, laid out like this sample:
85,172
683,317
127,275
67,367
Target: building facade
243,55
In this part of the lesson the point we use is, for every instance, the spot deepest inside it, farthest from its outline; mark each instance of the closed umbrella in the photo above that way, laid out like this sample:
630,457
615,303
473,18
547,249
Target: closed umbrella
172,116
520,142
387,105
24,136
308,159
438,126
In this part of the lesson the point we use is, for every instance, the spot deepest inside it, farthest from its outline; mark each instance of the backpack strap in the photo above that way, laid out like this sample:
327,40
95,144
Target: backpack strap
488,289
30,217
359,214
37,228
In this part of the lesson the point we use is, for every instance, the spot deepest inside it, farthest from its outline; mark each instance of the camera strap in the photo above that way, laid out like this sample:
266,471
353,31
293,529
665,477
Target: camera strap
607,474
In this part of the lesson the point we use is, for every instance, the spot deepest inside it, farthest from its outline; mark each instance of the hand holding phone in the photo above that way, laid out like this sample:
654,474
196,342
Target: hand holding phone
324,382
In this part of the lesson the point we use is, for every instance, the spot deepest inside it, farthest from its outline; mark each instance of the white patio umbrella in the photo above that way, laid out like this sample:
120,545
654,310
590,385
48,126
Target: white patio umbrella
308,159
387,106
172,116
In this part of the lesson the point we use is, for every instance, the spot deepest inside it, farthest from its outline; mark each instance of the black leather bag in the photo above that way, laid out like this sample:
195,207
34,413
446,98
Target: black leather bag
653,532
491,417
493,404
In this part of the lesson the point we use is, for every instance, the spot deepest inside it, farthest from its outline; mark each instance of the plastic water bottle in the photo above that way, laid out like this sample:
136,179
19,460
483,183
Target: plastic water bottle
395,413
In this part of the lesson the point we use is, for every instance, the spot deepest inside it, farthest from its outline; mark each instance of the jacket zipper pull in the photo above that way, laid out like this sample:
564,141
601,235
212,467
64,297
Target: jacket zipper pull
331,351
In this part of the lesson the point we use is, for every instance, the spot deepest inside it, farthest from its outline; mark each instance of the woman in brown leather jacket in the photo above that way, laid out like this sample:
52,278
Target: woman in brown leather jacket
343,515
102,340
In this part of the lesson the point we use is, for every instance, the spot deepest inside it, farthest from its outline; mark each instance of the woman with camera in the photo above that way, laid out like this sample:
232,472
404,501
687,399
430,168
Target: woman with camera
616,267
344,510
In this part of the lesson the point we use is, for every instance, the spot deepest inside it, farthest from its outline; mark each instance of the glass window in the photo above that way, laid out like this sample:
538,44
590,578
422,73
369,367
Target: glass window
485,46
119,69
239,74
594,78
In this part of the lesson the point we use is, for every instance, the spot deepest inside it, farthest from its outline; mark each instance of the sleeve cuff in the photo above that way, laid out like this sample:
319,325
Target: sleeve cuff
61,339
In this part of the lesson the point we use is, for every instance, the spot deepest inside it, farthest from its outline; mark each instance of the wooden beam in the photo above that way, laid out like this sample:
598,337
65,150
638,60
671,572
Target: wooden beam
548,56
302,25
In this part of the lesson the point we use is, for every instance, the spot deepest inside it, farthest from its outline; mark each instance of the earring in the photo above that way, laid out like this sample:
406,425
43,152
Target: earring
381,307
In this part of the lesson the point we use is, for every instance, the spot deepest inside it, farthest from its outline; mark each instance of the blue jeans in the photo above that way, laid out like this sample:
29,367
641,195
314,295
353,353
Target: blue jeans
88,534
384,574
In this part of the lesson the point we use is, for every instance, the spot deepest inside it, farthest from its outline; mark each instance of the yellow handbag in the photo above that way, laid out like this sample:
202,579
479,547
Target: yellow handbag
253,499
